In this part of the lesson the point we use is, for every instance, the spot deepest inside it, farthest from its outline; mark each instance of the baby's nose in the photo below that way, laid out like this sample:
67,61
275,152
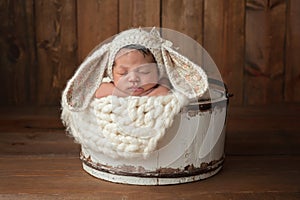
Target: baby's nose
133,76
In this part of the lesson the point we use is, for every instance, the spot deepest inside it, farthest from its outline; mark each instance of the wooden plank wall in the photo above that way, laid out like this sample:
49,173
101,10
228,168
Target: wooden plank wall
255,43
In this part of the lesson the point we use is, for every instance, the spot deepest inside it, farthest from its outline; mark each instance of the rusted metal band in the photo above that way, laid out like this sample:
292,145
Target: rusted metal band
208,104
203,107
189,170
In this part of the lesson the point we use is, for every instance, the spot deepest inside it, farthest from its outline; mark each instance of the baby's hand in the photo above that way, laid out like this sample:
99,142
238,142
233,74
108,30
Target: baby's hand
104,90
107,89
162,89
159,91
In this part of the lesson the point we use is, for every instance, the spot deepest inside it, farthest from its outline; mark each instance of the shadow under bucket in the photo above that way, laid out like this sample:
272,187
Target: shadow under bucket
192,148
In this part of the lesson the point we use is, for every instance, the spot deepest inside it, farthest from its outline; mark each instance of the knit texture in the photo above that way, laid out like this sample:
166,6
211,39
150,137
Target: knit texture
124,127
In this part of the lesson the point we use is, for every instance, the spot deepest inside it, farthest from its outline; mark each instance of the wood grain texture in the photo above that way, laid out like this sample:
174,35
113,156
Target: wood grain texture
38,161
38,142
62,177
292,71
96,22
135,13
184,16
263,130
254,43
56,48
265,40
17,60
224,36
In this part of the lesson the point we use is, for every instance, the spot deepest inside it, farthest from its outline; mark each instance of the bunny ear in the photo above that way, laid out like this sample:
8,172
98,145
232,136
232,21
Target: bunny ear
81,87
155,32
185,76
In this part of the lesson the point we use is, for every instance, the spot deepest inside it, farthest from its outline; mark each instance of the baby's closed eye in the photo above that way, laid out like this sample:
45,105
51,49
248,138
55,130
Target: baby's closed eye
144,71
122,72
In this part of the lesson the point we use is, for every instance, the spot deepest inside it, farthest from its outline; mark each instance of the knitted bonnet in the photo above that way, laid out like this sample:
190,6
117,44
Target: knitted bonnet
137,37
185,76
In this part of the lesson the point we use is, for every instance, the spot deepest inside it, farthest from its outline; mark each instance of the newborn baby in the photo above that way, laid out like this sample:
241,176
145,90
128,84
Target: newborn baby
135,73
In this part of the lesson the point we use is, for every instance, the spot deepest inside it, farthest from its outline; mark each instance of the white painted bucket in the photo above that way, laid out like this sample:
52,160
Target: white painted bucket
191,150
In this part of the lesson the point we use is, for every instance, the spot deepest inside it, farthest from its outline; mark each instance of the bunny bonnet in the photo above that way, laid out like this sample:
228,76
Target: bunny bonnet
185,76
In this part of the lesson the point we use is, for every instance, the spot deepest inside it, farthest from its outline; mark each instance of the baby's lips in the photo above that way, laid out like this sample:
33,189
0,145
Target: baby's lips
134,90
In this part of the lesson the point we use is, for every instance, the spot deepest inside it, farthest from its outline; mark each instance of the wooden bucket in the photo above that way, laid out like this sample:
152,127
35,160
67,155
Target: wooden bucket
192,149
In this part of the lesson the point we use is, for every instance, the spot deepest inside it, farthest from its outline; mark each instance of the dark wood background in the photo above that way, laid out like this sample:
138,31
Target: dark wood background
255,43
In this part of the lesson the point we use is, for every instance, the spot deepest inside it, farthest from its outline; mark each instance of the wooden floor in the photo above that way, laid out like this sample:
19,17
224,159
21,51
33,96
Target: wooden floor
38,161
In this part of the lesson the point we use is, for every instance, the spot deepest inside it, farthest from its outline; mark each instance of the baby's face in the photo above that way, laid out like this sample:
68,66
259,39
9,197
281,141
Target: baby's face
135,73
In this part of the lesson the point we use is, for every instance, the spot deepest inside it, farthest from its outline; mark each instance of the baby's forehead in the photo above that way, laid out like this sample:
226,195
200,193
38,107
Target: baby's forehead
123,52
149,67
134,54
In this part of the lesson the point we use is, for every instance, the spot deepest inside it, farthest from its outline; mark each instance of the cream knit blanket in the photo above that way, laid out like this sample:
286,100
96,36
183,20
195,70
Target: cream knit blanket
124,127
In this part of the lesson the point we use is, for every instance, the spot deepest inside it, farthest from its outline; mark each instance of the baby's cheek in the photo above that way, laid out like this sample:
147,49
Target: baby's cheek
150,81
152,78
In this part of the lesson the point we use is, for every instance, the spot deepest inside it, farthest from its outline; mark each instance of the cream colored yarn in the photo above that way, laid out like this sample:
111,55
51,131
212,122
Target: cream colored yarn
124,127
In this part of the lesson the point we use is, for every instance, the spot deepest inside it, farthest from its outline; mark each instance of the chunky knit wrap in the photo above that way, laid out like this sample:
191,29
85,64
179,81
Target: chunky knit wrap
125,127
